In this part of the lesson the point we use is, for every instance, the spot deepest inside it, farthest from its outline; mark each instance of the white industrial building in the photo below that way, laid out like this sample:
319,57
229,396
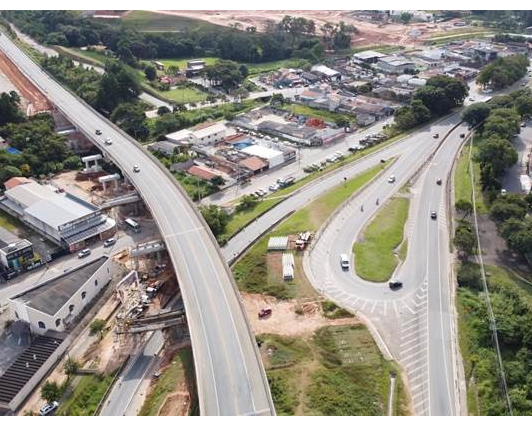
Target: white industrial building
206,133
61,217
54,304
272,156
326,72
395,64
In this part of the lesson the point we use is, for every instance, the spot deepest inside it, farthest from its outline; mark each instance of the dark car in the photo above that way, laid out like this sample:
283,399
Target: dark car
438,182
433,215
394,285
436,135
98,132
462,135
265,312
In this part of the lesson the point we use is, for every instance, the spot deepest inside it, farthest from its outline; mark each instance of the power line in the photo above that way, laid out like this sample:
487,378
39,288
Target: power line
491,316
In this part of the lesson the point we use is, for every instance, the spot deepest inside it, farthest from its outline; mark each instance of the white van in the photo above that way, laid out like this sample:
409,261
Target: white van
344,261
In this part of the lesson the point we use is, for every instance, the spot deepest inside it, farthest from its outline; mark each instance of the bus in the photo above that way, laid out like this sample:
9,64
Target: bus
133,225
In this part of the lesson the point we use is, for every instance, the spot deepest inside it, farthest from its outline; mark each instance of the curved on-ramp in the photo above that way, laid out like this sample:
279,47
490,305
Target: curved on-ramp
229,372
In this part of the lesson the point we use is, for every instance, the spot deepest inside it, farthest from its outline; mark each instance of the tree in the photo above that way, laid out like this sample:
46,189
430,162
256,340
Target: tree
503,71
476,113
464,206
502,210
97,326
421,112
464,240
50,392
150,72
405,17
468,275
225,74
502,122
404,118
131,118
523,106
71,367
216,218
72,163
498,153
163,109
217,181
243,70
247,202
10,108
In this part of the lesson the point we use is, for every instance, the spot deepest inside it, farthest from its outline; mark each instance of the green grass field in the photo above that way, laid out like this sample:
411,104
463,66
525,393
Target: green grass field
263,67
338,371
252,272
181,369
146,21
183,94
86,396
182,63
316,113
375,258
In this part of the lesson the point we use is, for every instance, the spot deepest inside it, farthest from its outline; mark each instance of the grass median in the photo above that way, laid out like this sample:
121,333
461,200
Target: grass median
255,271
337,371
462,177
240,220
375,257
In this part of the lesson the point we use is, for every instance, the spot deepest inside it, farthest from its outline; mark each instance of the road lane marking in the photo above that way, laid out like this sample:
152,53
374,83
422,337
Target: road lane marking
374,305
395,308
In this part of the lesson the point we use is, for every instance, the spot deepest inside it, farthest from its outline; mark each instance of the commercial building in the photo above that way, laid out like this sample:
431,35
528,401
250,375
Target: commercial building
205,133
395,64
272,156
195,67
59,216
325,72
16,255
54,304
368,56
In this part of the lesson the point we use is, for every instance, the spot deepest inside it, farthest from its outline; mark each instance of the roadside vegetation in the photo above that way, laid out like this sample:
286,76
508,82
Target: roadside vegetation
510,295
503,72
338,371
180,369
253,273
375,253
512,305
86,396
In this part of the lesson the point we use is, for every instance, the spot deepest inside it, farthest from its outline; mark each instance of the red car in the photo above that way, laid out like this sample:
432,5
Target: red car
265,312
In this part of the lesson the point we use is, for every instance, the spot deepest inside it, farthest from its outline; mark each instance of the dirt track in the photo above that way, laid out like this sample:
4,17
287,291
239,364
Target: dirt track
369,33
37,102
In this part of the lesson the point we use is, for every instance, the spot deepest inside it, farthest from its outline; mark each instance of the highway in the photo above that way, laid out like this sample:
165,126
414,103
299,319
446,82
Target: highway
229,372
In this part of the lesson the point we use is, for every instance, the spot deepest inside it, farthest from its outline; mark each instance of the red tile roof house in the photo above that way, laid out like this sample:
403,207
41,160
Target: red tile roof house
201,173
255,164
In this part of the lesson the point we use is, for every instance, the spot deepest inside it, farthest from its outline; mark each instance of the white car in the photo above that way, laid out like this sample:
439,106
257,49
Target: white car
84,253
48,408
391,179
108,141
274,187
136,168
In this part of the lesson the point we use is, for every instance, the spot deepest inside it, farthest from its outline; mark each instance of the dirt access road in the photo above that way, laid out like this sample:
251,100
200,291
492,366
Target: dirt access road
369,33
37,102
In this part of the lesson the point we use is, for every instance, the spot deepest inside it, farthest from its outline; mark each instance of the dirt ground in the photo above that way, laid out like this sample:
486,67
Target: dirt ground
369,33
37,101
7,86
284,320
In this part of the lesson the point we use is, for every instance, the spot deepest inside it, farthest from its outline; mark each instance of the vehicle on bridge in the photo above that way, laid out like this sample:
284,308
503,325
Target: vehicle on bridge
395,285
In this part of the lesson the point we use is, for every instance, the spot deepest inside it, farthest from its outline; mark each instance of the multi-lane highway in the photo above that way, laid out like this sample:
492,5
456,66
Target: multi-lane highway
229,372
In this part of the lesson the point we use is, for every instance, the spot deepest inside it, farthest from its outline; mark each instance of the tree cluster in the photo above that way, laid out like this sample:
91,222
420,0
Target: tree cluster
437,98
42,150
503,72
72,29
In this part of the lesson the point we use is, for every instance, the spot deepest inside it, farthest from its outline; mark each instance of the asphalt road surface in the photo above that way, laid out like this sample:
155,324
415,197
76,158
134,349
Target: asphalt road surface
230,376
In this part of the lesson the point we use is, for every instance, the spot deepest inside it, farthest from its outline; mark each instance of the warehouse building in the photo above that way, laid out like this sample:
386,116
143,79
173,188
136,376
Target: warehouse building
54,304
272,156
59,216
205,133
